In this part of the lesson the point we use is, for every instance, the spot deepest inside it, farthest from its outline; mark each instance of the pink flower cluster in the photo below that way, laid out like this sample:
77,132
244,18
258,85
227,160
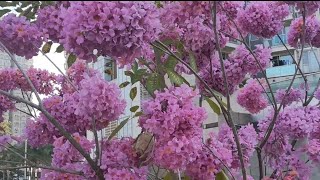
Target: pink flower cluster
39,132
76,73
117,29
263,19
49,21
292,123
312,26
64,153
248,139
65,156
98,99
120,161
220,151
5,105
298,122
309,7
20,36
230,8
95,100
313,150
191,23
292,96
251,97
176,124
11,79
210,161
239,63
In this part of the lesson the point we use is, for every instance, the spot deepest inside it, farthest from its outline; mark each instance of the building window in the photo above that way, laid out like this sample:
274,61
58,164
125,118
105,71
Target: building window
107,67
110,71
309,62
224,56
253,38
281,60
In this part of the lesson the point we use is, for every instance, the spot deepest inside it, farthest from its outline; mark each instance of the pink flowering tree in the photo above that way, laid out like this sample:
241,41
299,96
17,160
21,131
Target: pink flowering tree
153,41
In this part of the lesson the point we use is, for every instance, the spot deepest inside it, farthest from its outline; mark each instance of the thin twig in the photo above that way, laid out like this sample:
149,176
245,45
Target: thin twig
234,130
25,112
228,169
96,139
67,135
39,166
269,130
65,76
294,61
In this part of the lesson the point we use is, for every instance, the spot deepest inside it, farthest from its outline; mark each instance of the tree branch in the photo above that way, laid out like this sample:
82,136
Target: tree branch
234,130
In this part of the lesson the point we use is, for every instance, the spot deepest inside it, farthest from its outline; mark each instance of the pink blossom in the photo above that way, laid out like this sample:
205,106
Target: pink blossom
20,36
116,29
120,161
49,21
292,96
262,19
295,32
251,97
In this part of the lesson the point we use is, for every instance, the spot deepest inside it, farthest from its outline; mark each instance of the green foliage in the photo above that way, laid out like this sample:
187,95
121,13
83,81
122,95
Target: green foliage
24,8
137,114
134,108
120,126
133,93
213,106
171,63
174,77
71,59
46,47
170,176
59,49
221,176
124,84
193,62
155,82
37,155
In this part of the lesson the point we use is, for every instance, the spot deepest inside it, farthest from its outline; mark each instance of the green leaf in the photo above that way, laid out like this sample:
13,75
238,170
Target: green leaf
133,93
117,129
124,84
138,75
180,47
128,73
59,49
46,47
171,63
138,114
158,53
169,176
223,103
71,59
27,12
135,67
175,77
193,63
213,106
134,108
187,177
5,4
221,176
154,82
4,11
